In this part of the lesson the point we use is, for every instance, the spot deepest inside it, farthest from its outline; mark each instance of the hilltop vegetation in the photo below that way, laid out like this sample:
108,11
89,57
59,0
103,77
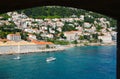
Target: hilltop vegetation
52,12
4,16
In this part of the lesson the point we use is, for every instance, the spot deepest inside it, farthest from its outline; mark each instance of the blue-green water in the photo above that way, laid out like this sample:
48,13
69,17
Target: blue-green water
89,62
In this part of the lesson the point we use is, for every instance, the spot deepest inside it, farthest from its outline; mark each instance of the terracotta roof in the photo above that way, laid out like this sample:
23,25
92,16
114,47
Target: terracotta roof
41,42
17,34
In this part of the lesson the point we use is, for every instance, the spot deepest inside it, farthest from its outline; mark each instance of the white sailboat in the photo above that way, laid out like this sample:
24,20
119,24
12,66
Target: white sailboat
50,59
18,57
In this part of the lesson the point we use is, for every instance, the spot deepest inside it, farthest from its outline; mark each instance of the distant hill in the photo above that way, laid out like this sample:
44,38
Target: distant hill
52,12
57,12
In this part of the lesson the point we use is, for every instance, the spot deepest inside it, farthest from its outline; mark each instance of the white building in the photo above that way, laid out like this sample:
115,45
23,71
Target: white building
72,35
49,35
79,28
81,17
59,24
114,35
14,37
93,28
28,30
105,39
86,24
32,37
59,29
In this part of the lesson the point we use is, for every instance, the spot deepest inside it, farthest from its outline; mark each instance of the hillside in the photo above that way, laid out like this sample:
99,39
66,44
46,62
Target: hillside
63,12
62,22
52,12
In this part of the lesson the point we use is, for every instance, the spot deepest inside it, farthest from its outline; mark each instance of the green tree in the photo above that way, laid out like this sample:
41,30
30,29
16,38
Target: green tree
87,37
81,37
62,35
101,40
75,42
47,46
5,16
95,36
98,28
89,19
39,37
24,35
68,27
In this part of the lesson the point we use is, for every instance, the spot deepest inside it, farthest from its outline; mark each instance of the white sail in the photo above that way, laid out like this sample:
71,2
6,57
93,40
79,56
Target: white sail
18,57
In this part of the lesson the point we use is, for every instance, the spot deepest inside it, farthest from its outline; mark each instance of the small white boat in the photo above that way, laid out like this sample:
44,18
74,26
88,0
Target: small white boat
50,59
17,58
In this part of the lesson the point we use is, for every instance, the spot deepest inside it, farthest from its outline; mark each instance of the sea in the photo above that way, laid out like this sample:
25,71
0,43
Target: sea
85,62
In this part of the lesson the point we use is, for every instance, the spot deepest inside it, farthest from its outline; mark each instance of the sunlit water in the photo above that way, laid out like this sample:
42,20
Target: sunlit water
89,62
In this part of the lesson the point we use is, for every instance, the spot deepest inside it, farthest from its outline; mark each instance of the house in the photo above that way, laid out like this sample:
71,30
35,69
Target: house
89,30
1,17
81,17
28,30
59,24
105,39
14,37
59,29
44,35
70,19
32,37
56,19
35,30
93,29
9,13
51,31
73,16
1,23
102,19
77,19
114,35
72,35
103,30
87,25
50,35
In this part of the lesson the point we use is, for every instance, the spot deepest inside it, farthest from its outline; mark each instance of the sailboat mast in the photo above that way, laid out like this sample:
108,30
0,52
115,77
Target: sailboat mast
18,48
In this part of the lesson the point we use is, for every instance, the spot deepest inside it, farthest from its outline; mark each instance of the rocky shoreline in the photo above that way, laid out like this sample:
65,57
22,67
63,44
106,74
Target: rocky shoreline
95,44
45,50
60,48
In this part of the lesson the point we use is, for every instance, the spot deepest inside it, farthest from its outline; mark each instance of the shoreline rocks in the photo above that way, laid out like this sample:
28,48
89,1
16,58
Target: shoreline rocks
60,48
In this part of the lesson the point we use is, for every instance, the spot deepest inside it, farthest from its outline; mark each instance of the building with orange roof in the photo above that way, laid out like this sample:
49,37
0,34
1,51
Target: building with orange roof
14,37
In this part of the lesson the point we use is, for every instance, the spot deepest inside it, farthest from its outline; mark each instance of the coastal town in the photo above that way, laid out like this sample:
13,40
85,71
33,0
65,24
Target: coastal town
40,35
